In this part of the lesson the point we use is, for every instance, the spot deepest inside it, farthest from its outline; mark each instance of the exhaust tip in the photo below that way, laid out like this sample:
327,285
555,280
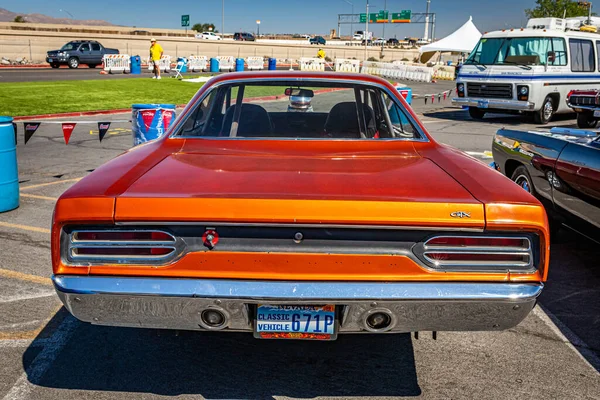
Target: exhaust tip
379,320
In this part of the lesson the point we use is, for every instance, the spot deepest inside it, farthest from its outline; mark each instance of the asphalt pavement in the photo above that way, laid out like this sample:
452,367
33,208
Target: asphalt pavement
47,354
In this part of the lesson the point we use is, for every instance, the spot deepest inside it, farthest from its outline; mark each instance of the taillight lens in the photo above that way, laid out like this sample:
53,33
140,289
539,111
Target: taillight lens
478,253
120,246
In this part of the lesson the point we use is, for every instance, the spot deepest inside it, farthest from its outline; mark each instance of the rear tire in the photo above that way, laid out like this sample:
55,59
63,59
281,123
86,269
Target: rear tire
476,113
73,63
586,120
546,112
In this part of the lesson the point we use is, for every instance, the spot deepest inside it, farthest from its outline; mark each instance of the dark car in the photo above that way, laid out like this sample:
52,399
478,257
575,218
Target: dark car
79,52
561,167
244,36
317,40
584,103
369,42
393,41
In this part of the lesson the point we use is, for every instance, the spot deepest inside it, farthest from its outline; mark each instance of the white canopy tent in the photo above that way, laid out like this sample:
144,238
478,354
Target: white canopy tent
463,40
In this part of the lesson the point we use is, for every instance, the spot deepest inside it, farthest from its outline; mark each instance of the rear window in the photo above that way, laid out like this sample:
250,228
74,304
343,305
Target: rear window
314,110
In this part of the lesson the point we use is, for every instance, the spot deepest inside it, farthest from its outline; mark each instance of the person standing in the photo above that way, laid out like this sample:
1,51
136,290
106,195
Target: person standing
156,53
321,54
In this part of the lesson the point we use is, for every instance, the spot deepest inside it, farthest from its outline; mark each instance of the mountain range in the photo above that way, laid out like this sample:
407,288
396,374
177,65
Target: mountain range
9,16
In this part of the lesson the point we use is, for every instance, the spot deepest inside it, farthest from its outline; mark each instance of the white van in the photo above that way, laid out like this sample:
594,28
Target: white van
530,70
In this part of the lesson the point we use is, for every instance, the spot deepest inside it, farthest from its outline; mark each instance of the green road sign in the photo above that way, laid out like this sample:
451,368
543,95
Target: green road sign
383,16
185,20
401,17
363,18
372,18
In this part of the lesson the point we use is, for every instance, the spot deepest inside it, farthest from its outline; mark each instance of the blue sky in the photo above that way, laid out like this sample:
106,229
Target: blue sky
285,16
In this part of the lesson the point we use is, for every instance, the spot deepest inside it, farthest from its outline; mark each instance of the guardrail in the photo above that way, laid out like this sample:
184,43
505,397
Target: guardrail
116,63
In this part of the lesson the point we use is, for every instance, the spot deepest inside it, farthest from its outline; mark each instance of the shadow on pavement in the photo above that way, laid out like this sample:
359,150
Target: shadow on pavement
573,290
458,114
231,365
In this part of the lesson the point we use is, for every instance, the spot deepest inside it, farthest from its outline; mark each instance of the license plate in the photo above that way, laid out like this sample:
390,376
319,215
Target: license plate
295,322
597,113
49,60
483,103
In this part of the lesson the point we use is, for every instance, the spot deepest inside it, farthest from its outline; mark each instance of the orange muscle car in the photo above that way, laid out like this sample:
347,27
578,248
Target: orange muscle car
323,208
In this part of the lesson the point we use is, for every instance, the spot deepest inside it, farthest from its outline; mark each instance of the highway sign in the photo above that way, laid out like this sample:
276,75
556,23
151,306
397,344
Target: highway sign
185,20
382,17
372,18
402,17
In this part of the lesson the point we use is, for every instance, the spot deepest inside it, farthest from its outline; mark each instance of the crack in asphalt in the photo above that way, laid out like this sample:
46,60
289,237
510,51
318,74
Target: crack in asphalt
524,331
24,239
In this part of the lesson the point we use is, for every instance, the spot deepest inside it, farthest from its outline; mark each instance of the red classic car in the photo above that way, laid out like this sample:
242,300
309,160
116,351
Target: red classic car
334,212
586,103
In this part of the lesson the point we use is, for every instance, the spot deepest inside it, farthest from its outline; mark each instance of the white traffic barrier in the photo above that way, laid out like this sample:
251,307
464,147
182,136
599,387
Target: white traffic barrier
312,64
444,72
398,71
346,65
117,63
164,64
198,63
255,63
226,63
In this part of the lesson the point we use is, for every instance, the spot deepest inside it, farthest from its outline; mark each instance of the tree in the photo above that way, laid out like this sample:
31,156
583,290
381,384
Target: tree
19,19
557,9
204,28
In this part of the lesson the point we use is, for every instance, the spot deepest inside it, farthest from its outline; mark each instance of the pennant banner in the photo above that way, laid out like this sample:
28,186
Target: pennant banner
67,129
103,127
167,117
148,117
30,128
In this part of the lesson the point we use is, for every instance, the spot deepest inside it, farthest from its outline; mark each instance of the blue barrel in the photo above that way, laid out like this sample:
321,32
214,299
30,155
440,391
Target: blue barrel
214,65
406,93
239,64
272,64
136,65
150,121
185,63
9,173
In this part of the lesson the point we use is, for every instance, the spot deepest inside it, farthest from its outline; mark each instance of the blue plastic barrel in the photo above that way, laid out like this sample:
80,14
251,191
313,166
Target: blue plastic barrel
272,64
214,65
9,173
136,65
406,93
150,121
185,64
239,64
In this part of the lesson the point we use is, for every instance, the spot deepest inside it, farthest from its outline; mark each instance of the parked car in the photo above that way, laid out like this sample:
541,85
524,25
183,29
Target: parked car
208,36
561,167
393,42
318,40
379,41
244,36
369,42
584,103
79,52
296,226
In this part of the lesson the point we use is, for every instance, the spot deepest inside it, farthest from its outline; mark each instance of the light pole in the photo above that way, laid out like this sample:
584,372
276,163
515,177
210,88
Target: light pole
366,35
223,18
257,28
351,20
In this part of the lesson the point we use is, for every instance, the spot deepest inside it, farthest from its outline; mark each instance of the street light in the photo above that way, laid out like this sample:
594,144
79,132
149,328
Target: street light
351,19
257,28
223,18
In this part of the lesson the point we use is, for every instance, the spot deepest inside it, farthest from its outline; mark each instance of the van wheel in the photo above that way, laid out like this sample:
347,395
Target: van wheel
546,112
476,113
586,120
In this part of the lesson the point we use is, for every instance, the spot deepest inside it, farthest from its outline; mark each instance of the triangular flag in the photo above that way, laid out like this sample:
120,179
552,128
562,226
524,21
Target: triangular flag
425,99
167,118
148,117
103,127
445,93
432,98
439,97
30,128
67,130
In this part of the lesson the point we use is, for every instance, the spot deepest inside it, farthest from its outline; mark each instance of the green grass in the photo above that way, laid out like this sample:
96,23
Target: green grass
34,98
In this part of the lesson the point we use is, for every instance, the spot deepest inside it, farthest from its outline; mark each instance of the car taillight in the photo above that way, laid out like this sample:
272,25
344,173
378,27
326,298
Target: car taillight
120,246
478,252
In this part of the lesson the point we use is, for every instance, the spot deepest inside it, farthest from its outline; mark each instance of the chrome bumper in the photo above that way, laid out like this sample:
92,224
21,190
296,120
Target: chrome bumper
495,104
178,303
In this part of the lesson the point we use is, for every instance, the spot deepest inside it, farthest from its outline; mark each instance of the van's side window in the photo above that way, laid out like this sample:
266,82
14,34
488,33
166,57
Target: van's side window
598,52
560,52
582,55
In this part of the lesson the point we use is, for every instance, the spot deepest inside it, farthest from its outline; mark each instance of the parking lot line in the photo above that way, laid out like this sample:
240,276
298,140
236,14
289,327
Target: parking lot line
50,183
35,196
24,227
6,273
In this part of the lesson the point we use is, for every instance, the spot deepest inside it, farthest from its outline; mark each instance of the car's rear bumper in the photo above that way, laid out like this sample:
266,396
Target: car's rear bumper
178,303
494,104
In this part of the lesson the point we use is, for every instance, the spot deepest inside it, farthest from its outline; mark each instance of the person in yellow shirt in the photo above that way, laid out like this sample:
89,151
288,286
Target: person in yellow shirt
321,54
156,53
